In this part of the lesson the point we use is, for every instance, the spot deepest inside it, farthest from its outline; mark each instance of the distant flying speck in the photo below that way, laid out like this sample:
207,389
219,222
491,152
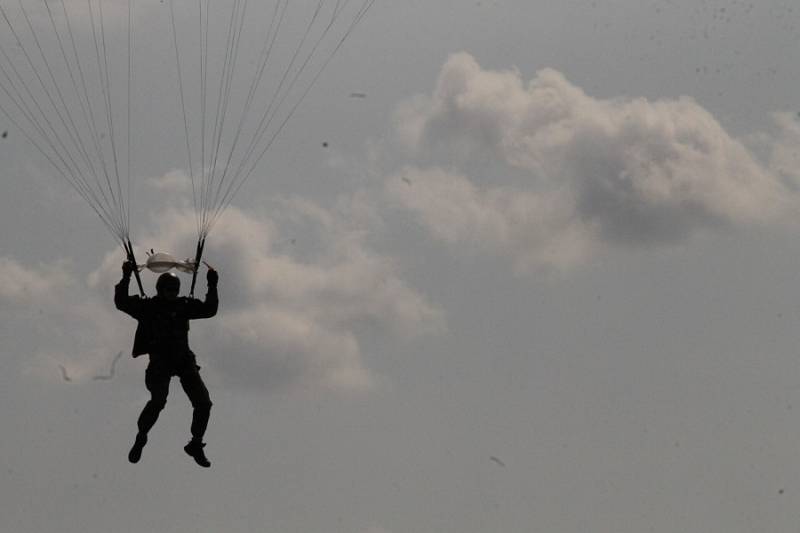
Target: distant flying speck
110,374
325,144
358,95
64,374
498,461
406,180
5,134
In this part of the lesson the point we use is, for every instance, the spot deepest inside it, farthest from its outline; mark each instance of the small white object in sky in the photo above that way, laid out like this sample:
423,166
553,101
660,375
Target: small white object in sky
162,262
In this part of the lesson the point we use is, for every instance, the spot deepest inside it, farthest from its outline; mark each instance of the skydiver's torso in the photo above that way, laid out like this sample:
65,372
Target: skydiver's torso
166,322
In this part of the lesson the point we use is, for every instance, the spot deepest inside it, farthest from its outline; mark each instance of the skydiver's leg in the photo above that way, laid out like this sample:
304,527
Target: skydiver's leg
157,382
197,392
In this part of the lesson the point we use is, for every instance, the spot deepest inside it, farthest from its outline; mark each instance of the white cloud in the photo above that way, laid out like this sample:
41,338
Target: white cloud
562,173
69,324
299,289
534,229
23,284
783,147
172,182
287,319
278,346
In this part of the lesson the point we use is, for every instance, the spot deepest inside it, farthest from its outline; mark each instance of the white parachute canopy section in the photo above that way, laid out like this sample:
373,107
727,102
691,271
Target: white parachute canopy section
161,262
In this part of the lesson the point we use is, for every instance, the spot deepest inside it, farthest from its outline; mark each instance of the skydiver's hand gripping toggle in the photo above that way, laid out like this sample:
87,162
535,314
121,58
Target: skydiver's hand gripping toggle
127,269
212,277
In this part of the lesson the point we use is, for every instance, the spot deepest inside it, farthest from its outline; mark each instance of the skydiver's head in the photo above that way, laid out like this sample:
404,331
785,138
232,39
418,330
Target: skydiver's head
168,285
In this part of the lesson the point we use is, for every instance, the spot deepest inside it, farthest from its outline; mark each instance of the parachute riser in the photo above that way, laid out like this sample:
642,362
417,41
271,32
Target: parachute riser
198,256
132,258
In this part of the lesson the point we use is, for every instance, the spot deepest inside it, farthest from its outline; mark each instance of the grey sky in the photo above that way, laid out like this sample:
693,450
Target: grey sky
560,235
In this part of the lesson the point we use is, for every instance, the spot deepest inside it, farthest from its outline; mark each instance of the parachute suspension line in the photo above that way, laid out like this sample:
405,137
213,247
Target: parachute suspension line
203,105
101,56
271,104
266,52
98,209
126,243
105,87
51,144
107,94
225,166
277,98
19,102
229,84
274,104
215,122
68,64
75,124
85,101
61,169
56,115
239,179
68,123
216,178
183,109
223,95
201,244
72,130
129,154
89,118
235,30
73,166
206,98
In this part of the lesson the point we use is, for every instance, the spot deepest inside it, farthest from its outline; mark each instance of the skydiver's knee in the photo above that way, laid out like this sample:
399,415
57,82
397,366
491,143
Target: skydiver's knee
203,404
157,403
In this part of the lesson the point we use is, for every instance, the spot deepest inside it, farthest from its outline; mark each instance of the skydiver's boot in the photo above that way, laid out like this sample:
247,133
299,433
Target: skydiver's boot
195,449
136,451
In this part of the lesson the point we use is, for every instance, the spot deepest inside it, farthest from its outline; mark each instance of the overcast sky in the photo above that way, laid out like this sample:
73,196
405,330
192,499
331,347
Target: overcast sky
512,266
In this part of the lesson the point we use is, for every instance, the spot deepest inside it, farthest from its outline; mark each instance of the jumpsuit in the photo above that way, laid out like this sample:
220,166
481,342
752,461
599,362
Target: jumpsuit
163,333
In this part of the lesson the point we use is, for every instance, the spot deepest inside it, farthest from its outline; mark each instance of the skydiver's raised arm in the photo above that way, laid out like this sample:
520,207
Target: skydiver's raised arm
207,308
131,305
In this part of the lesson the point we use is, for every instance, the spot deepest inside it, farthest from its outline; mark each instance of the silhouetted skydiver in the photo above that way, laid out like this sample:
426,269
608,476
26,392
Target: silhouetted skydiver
162,333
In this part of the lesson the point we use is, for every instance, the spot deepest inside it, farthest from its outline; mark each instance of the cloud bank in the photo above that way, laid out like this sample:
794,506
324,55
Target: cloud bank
71,325
538,172
287,319
298,291
20,283
569,173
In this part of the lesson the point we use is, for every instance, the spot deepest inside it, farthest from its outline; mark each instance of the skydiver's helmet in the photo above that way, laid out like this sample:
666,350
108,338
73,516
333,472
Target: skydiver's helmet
167,283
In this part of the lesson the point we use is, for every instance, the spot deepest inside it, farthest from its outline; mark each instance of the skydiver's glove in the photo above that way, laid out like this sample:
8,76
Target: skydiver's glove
127,269
212,276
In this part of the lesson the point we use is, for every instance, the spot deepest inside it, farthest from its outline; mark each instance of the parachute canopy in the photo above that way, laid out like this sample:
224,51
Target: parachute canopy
71,76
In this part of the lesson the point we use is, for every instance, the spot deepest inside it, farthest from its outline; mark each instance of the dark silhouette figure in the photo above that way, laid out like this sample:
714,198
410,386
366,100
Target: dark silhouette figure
162,333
